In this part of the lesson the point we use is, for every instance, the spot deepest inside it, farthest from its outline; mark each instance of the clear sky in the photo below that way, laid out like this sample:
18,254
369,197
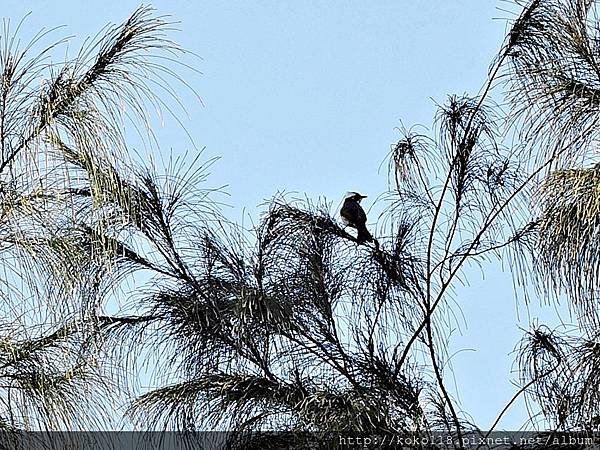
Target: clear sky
304,96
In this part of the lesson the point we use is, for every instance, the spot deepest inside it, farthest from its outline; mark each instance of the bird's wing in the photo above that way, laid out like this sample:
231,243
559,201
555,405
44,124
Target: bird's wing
346,215
361,217
353,213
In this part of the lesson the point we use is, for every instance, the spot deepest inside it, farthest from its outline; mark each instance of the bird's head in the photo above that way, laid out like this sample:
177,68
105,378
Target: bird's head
354,196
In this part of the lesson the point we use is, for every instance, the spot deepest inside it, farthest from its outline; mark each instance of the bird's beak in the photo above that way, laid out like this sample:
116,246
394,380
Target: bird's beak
363,196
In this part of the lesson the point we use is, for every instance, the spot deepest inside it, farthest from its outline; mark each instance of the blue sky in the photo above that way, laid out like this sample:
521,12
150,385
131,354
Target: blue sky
305,96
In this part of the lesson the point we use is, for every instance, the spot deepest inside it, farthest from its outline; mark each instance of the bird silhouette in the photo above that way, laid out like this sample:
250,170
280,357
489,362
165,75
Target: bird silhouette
354,216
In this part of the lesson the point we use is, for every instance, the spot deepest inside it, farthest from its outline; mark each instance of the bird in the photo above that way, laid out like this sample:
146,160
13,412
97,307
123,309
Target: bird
354,216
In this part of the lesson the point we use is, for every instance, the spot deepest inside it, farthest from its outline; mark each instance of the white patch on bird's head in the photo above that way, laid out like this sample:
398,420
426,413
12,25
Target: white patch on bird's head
354,195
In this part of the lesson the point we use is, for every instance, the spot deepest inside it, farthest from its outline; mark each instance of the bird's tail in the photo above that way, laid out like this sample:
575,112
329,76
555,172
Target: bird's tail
363,235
